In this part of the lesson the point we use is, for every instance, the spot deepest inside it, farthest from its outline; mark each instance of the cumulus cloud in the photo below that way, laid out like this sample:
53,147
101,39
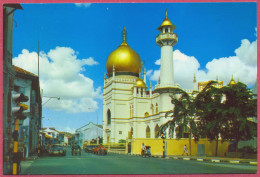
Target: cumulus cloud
60,76
83,4
243,66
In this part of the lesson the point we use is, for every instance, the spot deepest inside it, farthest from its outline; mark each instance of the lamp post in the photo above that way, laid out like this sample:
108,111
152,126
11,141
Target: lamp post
58,98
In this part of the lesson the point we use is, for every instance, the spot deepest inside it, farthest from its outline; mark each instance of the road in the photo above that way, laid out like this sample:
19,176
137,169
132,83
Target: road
89,163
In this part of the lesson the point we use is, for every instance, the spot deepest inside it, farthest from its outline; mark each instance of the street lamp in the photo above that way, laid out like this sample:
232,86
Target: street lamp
58,98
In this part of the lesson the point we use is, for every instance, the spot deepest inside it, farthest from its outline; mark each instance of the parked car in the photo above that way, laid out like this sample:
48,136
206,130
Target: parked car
90,148
100,150
57,149
75,150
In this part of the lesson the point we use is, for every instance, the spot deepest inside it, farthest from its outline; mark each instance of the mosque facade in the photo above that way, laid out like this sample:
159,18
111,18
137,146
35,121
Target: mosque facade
131,108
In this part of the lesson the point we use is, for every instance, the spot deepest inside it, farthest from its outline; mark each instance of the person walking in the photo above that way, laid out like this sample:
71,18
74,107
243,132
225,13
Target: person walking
142,149
185,150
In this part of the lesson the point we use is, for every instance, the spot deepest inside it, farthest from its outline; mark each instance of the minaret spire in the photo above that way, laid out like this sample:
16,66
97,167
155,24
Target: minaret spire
124,37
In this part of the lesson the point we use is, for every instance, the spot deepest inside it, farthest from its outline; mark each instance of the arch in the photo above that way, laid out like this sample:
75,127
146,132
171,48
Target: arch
108,117
148,132
146,114
156,131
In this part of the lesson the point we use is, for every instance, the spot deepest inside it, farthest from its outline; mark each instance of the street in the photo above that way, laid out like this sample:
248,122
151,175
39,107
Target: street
89,163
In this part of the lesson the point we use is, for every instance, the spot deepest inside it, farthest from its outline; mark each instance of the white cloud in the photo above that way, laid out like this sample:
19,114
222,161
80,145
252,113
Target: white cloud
82,4
60,77
242,66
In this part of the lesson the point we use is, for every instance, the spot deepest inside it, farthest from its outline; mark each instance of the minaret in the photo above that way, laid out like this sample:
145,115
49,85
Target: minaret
194,82
166,40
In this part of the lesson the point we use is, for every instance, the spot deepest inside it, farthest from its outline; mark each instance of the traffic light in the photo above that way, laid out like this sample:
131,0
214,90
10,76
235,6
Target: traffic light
17,106
17,113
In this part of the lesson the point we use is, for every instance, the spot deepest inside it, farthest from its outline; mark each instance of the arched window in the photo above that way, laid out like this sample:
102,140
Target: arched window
108,117
152,107
146,114
147,132
156,107
156,131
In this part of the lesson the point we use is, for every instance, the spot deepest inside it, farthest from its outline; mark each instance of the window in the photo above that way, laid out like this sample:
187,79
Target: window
156,107
148,132
156,131
108,117
152,107
120,132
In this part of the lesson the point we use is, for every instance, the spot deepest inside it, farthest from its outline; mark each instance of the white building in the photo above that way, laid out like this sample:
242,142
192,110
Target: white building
88,132
131,109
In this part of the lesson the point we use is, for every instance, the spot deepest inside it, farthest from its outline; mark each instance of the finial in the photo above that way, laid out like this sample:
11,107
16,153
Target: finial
217,78
124,36
166,13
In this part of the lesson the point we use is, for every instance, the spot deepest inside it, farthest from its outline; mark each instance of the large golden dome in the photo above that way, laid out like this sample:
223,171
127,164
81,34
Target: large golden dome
124,59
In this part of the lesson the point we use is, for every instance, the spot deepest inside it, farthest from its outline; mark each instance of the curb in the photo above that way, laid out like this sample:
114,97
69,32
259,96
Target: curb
215,160
234,161
202,159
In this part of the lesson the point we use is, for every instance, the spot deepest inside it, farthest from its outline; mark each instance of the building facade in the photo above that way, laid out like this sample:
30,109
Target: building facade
8,78
87,133
28,84
131,108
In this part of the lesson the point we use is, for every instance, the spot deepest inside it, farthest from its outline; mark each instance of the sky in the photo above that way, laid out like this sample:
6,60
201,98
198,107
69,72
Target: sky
75,40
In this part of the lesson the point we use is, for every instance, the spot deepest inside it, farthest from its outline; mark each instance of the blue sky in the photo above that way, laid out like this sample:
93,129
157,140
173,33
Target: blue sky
215,39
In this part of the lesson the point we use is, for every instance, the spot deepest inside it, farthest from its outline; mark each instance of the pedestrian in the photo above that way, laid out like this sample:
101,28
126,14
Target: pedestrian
185,150
142,149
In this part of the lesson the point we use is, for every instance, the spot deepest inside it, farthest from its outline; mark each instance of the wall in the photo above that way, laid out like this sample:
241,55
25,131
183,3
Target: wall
175,147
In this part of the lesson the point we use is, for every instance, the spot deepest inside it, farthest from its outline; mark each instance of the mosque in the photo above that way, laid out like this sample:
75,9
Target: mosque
131,108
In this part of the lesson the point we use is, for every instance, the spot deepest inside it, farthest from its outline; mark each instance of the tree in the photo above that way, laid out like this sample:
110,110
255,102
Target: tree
240,105
209,106
182,115
224,112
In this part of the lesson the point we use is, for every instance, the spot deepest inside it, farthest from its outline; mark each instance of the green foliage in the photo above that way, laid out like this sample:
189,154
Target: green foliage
214,112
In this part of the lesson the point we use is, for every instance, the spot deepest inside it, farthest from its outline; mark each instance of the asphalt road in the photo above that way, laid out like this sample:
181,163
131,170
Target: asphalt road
89,163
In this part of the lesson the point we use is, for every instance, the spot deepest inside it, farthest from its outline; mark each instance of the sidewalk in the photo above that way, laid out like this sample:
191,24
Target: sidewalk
207,159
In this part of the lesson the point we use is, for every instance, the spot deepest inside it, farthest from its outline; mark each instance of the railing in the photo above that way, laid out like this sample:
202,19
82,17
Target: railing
163,36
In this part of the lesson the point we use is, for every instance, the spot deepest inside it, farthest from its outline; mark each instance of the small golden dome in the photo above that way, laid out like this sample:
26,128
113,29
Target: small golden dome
166,22
140,83
232,81
124,59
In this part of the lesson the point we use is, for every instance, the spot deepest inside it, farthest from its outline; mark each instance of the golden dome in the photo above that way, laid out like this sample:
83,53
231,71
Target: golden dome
124,59
166,22
140,83
232,81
